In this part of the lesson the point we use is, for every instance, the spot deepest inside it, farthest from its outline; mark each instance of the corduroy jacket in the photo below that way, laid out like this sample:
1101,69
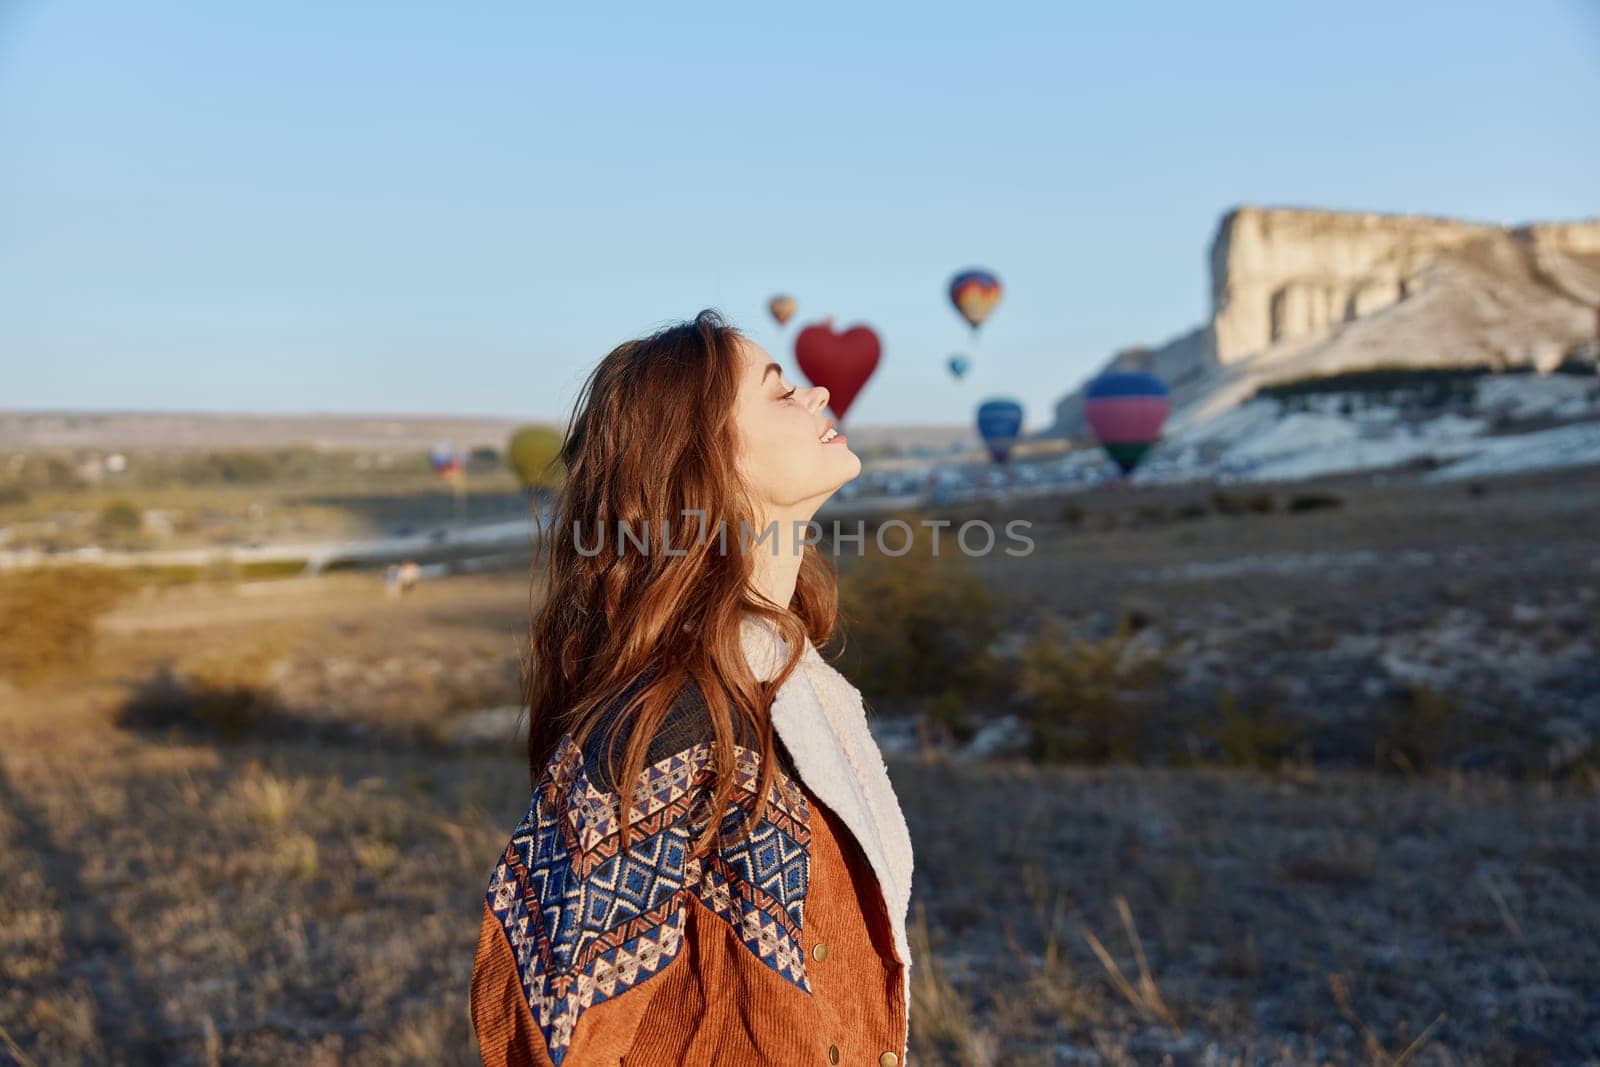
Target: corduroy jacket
786,948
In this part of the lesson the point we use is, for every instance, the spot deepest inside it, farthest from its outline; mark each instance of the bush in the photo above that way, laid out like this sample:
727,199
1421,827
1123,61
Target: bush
951,711
236,467
119,521
1424,387
43,472
1257,737
1257,503
1302,502
47,618
1415,731
1085,700
926,622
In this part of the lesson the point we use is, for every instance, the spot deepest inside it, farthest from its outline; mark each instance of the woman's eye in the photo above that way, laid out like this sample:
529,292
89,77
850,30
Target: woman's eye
789,395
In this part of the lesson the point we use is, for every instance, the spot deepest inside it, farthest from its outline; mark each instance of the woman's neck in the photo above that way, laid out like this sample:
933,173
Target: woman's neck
774,576
776,559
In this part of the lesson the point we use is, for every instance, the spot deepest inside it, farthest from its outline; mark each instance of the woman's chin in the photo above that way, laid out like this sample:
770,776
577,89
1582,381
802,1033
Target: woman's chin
848,458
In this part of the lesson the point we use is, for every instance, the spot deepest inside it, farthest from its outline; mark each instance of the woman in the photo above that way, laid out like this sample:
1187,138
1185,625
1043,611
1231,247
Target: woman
676,649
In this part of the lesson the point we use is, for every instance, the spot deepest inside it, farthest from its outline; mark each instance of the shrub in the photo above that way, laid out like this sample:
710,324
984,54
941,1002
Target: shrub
1314,501
1413,732
1257,737
119,521
1426,387
1085,699
952,712
236,466
1257,503
927,622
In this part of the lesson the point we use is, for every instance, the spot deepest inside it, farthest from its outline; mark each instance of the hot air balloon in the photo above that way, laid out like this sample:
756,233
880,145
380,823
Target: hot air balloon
839,362
999,422
975,293
958,366
445,459
1126,409
782,307
450,463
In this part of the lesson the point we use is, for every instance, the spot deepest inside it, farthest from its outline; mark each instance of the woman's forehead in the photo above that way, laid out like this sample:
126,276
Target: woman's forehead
754,360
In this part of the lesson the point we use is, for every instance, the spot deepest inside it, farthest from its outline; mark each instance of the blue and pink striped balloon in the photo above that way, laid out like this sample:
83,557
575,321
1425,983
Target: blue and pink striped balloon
1126,410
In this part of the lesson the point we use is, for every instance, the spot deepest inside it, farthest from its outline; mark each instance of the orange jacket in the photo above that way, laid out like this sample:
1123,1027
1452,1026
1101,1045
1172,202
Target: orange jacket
785,948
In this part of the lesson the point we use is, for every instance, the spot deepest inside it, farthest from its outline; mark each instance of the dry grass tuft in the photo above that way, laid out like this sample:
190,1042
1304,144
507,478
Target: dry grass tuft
1339,986
377,858
296,857
270,799
1144,995
942,1026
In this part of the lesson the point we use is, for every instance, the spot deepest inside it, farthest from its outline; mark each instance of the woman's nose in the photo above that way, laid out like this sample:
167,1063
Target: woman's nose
819,397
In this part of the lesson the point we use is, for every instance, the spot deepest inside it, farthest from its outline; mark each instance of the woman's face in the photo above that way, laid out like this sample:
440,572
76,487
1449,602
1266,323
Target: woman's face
781,428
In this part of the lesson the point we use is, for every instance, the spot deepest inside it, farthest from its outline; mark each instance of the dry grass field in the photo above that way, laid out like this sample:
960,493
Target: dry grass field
245,830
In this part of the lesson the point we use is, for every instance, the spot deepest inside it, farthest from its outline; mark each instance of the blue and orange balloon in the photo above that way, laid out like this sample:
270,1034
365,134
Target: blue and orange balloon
999,423
1126,410
958,366
975,294
445,459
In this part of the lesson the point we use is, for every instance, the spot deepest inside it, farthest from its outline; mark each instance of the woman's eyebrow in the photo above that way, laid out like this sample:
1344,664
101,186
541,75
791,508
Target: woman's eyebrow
769,369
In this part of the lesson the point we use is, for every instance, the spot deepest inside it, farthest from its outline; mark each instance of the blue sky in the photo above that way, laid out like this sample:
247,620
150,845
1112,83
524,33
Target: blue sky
457,209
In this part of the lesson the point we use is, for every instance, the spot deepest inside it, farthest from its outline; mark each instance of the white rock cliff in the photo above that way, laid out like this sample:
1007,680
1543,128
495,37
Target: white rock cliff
1300,293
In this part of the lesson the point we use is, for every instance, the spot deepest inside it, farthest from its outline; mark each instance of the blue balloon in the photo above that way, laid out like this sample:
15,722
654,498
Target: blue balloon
999,423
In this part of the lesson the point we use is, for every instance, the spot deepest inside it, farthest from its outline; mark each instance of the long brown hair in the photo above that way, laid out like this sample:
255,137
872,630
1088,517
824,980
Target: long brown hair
652,446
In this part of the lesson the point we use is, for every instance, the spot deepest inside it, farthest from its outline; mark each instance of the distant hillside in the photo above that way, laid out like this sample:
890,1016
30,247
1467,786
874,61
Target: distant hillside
70,430
1300,294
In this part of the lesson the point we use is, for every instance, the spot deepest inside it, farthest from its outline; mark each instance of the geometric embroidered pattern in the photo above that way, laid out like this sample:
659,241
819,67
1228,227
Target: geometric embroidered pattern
587,922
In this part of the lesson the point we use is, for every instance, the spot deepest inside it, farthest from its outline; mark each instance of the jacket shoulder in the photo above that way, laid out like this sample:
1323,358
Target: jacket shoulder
685,732
587,921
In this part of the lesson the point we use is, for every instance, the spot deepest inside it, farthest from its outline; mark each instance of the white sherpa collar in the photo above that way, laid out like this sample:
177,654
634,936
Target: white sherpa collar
823,723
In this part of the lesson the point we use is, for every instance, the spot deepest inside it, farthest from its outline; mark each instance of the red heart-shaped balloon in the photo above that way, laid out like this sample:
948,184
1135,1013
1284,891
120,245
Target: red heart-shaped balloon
839,362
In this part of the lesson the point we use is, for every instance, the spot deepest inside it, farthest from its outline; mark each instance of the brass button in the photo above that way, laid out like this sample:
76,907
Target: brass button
888,1059
819,951
833,1053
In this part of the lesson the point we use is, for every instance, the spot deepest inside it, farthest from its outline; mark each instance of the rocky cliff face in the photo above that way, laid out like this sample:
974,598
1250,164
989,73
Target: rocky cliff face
1298,292
1281,275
